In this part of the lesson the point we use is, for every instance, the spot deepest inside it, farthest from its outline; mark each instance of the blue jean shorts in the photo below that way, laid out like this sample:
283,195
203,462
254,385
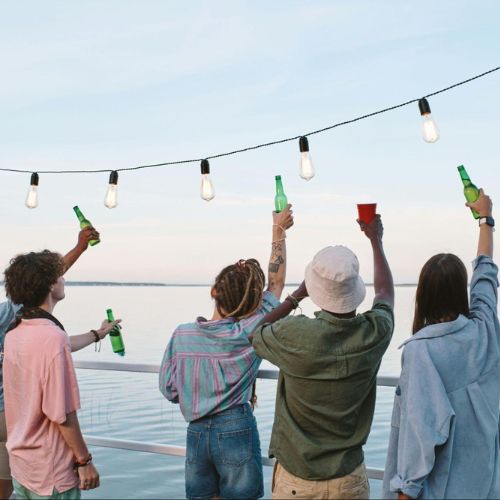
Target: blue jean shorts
223,456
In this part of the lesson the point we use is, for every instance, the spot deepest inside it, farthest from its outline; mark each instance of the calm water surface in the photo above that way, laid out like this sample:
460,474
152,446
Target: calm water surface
129,405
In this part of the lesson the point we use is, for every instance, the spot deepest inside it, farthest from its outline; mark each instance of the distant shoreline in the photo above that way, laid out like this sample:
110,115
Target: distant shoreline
171,285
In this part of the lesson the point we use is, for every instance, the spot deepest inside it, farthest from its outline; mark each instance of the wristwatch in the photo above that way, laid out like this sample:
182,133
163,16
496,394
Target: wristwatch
489,221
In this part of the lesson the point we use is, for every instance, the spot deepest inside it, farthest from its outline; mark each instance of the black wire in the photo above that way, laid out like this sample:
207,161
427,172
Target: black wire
258,146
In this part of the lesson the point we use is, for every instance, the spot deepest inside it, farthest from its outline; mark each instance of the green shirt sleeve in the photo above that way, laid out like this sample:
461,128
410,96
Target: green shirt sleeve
382,315
266,344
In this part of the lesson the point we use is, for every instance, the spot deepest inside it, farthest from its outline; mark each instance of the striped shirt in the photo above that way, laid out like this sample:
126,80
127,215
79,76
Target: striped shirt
210,366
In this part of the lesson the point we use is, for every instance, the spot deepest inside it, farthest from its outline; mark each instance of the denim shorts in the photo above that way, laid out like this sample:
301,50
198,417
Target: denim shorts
223,456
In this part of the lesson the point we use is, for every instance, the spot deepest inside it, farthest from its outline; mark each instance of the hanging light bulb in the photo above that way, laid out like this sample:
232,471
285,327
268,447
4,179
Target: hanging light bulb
111,198
430,130
207,188
306,167
32,198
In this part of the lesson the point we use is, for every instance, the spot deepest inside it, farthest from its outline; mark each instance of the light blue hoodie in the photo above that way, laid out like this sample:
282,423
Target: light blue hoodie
444,439
8,312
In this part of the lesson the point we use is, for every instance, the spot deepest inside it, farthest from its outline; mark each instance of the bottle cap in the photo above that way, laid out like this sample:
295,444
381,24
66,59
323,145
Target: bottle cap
278,177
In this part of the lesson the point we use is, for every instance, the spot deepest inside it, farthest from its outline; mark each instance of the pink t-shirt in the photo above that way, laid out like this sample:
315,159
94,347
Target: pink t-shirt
40,389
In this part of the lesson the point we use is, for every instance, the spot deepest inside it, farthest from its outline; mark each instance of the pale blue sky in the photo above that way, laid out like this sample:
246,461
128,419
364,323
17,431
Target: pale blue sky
116,83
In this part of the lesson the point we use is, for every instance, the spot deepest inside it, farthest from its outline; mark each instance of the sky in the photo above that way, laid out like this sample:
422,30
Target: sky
116,84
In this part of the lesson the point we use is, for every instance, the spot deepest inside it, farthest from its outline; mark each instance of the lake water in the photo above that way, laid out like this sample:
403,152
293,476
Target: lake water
129,406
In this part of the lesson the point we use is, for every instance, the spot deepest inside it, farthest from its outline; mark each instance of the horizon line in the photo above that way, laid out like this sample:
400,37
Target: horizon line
159,284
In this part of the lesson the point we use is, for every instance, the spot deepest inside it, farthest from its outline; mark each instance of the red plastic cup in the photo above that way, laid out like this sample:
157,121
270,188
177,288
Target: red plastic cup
366,212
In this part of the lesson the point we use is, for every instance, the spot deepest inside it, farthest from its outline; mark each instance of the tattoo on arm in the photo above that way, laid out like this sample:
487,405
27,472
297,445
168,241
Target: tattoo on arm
274,266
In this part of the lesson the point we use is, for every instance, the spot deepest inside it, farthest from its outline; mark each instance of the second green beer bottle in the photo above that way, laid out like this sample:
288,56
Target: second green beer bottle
280,200
115,336
471,192
84,223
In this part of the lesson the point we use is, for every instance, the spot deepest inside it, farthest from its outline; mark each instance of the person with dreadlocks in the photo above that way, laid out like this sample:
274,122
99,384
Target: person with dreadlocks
209,368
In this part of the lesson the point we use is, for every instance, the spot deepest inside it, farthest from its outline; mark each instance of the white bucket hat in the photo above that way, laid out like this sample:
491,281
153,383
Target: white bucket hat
333,281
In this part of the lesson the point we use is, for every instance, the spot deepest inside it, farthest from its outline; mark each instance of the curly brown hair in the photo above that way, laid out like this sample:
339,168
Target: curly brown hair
239,288
29,277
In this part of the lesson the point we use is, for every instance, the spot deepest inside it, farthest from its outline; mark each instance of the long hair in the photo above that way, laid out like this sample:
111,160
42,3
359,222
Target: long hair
441,291
238,289
238,293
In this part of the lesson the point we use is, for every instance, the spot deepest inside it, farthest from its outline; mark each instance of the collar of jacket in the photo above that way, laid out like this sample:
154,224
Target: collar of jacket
438,330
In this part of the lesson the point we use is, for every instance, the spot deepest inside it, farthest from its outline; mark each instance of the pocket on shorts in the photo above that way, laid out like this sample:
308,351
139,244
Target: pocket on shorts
355,485
192,444
235,447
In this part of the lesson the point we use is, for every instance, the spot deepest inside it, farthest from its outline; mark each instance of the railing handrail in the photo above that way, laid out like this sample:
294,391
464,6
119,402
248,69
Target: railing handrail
165,449
267,374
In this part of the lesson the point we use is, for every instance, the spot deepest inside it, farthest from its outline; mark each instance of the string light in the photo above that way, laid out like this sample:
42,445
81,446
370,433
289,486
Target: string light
111,198
32,197
430,131
306,167
207,188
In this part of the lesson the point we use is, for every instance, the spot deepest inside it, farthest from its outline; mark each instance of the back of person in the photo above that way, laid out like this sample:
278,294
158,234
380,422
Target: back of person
328,366
328,369
37,360
445,435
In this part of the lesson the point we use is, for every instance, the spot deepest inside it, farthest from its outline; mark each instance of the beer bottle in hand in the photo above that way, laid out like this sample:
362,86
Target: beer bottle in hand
280,200
116,336
84,223
471,192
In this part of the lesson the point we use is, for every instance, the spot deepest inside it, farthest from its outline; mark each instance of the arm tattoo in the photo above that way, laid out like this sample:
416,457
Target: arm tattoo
274,266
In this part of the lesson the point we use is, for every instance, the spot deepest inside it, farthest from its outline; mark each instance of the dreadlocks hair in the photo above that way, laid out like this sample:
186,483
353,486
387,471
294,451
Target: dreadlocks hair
238,289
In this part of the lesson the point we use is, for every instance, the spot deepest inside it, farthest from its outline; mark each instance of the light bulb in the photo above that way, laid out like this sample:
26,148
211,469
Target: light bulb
207,188
306,167
430,131
32,197
111,198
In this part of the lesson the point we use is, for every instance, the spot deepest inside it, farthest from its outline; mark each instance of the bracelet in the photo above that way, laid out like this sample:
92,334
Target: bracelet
293,300
282,228
97,340
277,241
83,462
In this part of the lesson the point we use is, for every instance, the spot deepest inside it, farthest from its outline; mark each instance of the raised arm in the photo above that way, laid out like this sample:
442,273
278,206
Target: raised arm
285,308
382,276
84,236
277,262
484,207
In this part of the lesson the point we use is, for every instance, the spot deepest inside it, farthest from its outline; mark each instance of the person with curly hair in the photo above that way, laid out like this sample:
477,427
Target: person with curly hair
209,369
29,281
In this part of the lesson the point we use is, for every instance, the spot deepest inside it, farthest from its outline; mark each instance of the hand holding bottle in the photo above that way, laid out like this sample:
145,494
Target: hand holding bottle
106,327
483,205
284,219
85,236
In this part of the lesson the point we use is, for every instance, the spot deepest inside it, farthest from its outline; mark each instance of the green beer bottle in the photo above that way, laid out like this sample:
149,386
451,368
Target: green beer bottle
471,192
84,223
280,200
116,336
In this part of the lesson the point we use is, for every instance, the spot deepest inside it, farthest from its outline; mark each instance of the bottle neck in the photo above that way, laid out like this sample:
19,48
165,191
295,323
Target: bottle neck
464,176
279,187
79,214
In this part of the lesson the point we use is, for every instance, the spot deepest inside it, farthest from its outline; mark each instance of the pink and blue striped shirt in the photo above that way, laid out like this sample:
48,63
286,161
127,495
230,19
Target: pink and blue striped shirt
210,366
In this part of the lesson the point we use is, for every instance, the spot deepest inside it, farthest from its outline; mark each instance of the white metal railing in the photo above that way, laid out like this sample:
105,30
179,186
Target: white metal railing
180,451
